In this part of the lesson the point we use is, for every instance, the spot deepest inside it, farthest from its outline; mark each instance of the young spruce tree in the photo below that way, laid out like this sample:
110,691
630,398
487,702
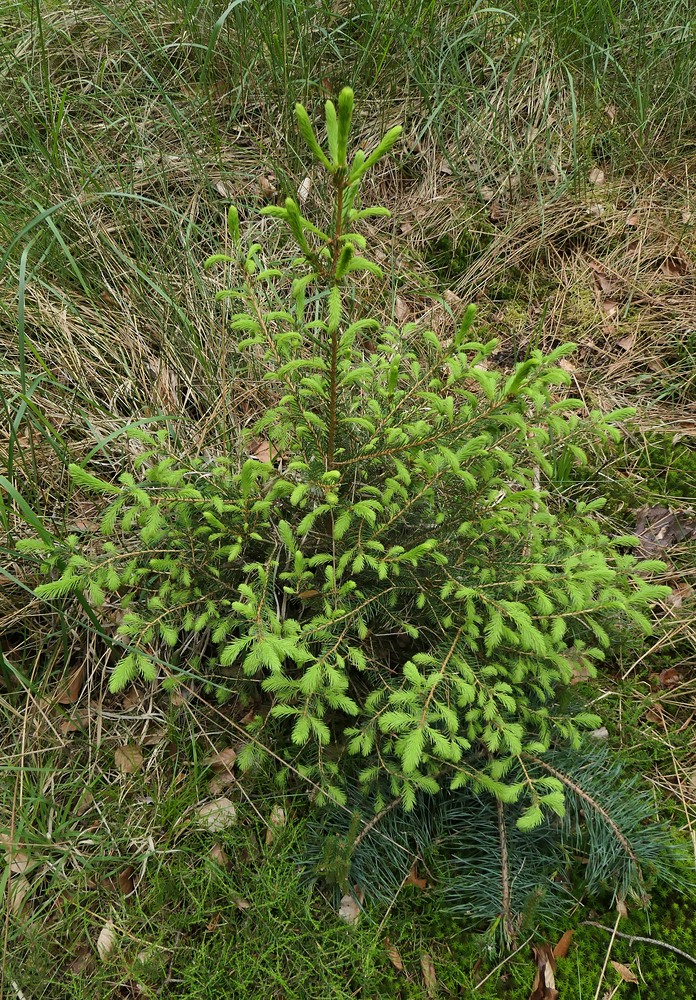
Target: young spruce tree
401,583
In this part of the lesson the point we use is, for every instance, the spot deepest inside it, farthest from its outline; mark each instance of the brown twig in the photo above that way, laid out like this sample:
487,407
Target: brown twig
644,940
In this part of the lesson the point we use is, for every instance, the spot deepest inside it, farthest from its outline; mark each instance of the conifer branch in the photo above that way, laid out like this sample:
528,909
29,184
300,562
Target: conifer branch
598,808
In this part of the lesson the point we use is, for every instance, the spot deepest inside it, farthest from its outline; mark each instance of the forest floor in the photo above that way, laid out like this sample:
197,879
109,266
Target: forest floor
545,173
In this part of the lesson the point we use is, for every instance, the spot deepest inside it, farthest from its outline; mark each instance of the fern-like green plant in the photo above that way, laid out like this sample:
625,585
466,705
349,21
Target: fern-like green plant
399,581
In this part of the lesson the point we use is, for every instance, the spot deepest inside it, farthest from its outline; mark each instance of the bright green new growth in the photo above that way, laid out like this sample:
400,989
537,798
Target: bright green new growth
403,587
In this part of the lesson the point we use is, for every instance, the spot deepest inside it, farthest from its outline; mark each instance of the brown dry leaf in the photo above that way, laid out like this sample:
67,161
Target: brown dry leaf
222,781
656,713
627,342
132,698
17,860
278,817
75,723
496,212
675,267
602,282
628,975
670,678
561,949
82,962
596,176
429,977
413,879
125,880
658,529
393,954
262,452
225,189
155,736
18,890
69,690
217,815
402,310
222,761
267,185
544,987
106,940
85,802
303,190
611,308
129,758
680,592
217,854
349,907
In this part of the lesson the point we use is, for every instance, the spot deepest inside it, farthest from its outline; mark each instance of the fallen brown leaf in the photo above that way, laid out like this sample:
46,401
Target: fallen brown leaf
429,977
350,906
680,592
217,815
267,185
222,761
69,690
655,713
402,310
670,677
393,954
84,803
225,189
496,212
596,176
125,880
106,940
544,986
217,854
82,962
276,820
628,975
627,342
129,758
413,879
18,890
262,452
561,949
603,282
132,697
658,528
675,267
